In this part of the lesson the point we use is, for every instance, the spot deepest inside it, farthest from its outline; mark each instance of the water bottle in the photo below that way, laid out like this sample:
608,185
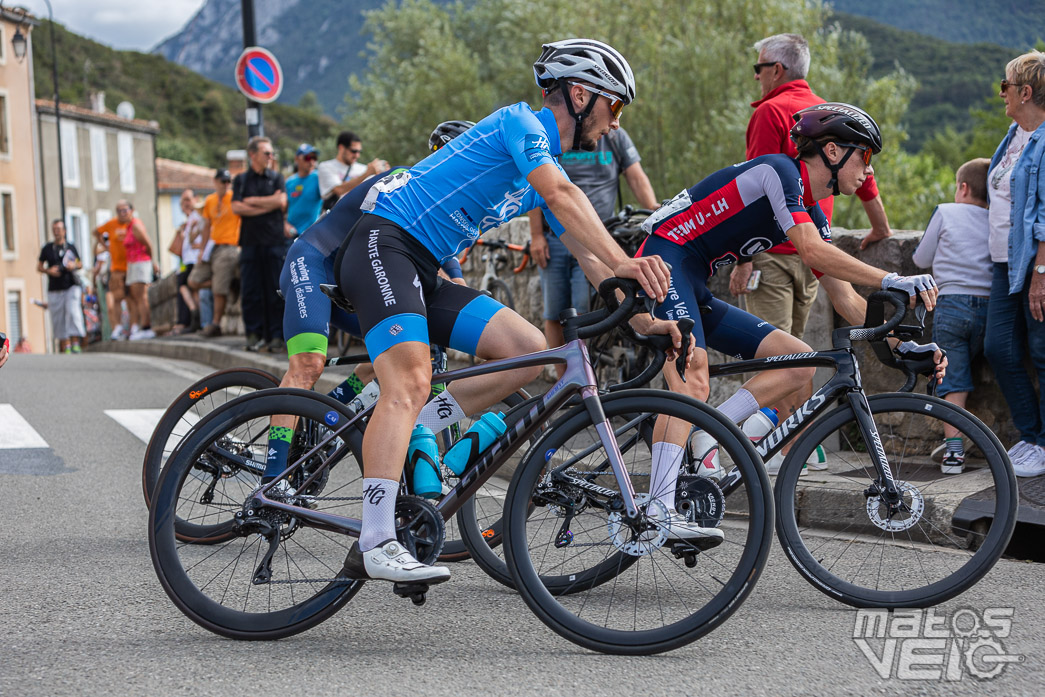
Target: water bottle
423,463
760,423
475,440
365,398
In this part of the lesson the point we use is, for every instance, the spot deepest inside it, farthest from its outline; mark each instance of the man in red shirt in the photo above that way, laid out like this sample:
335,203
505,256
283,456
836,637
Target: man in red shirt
787,287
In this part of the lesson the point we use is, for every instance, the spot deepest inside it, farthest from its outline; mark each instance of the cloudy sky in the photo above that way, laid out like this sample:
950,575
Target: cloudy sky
124,24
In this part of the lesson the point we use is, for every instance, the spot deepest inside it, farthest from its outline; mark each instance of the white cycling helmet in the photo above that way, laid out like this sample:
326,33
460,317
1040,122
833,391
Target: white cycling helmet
585,59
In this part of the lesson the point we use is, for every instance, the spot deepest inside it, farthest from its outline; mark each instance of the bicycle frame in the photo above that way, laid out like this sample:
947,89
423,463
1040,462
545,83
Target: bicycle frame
578,378
845,382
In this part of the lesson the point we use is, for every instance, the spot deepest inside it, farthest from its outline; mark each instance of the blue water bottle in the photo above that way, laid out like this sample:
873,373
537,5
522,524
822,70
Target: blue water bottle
475,440
423,463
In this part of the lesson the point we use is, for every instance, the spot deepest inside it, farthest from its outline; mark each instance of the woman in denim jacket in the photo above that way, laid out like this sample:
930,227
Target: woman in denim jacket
1016,309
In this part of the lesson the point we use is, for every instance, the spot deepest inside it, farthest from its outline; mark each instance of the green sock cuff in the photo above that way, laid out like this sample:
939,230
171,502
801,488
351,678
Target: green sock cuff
281,433
355,383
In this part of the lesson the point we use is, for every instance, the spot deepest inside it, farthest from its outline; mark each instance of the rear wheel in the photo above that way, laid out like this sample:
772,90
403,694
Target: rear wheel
274,573
202,398
500,292
945,533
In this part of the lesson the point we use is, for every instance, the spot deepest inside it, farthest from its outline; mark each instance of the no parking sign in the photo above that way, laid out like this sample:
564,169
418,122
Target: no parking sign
258,75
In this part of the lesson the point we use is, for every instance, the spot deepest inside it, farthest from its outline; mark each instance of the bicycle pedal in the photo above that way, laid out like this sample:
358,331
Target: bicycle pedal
417,592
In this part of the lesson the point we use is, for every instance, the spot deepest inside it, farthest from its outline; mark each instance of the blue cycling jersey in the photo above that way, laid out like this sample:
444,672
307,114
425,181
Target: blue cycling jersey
739,211
474,183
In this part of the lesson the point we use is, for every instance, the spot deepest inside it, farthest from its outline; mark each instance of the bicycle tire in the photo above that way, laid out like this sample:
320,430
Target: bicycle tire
700,601
829,526
214,585
500,292
201,398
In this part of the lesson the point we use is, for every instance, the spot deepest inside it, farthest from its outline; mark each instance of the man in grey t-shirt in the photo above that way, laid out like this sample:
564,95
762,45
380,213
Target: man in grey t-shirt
597,173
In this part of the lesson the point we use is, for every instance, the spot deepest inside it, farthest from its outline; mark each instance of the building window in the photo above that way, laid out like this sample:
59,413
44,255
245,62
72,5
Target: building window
7,224
70,155
5,140
102,216
14,317
3,46
125,154
78,233
99,159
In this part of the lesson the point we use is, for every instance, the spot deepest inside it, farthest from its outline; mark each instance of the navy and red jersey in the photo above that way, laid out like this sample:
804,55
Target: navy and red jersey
739,211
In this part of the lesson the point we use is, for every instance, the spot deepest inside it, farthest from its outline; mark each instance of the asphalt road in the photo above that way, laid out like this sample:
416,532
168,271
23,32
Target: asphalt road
82,612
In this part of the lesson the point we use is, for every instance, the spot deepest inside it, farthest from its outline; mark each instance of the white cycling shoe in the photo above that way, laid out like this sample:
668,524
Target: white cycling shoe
679,529
390,561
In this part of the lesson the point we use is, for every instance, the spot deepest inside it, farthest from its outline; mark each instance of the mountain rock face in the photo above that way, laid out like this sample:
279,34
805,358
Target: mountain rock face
318,43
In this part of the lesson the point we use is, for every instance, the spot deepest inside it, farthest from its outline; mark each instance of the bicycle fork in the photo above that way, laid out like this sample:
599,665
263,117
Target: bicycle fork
885,486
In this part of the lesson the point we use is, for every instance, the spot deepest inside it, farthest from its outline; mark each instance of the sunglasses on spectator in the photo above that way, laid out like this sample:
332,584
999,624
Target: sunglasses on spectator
355,151
758,66
865,150
616,103
311,158
1005,84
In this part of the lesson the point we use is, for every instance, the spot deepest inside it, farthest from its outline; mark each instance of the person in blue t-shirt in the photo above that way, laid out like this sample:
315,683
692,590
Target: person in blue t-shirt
502,167
303,200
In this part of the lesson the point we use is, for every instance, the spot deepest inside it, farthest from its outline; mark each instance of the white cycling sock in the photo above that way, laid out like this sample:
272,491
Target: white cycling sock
664,473
739,406
379,504
443,411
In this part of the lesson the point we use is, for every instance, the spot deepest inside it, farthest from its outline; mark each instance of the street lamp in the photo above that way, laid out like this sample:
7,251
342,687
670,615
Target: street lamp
19,43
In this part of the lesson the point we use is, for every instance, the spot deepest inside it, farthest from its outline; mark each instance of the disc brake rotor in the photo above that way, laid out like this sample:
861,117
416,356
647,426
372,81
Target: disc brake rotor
904,516
626,535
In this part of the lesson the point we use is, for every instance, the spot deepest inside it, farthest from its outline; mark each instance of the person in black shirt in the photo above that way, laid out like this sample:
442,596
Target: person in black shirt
259,198
58,261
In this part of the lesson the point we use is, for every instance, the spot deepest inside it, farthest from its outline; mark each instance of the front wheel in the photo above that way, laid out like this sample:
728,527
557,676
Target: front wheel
944,534
620,585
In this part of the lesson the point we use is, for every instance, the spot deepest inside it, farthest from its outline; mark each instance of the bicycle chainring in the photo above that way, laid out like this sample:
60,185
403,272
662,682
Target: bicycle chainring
420,528
700,500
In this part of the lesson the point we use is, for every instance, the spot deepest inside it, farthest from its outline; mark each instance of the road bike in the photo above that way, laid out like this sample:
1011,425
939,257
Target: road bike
625,587
883,528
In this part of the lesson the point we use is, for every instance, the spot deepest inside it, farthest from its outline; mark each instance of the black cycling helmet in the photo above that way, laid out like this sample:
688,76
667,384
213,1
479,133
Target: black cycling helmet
588,60
447,131
837,122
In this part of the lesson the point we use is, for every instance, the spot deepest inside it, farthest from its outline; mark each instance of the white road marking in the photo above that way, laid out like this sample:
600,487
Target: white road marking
15,431
140,422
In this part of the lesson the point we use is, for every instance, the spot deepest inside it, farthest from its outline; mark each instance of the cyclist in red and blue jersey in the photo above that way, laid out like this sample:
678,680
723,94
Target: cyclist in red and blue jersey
502,167
741,211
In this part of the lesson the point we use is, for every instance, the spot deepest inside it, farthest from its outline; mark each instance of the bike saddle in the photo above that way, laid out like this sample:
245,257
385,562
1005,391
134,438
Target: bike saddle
333,291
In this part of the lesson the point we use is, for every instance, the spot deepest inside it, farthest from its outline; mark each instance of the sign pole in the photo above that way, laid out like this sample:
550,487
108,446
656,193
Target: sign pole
255,123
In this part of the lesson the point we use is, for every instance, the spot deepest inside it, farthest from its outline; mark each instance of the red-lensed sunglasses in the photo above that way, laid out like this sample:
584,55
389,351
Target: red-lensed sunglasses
616,103
866,151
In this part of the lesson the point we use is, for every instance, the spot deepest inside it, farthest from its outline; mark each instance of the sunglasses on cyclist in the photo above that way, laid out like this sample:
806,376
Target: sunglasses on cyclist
616,103
865,150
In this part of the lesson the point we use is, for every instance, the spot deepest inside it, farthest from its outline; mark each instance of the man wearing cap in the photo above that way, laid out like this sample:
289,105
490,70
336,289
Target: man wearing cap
303,200
219,263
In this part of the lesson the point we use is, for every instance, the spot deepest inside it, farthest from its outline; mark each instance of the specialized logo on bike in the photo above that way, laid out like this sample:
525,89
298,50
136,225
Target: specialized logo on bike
933,646
196,394
790,356
374,494
379,270
537,147
509,207
332,417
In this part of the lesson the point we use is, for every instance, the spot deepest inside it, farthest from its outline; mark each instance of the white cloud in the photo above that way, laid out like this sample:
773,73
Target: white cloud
123,24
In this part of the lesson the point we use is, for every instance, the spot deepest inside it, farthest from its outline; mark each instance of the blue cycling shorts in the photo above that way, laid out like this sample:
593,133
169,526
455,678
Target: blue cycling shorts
308,313
723,327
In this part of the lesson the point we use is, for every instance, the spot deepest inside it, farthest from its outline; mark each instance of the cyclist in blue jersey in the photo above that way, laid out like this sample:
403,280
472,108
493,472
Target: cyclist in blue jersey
502,167
309,313
745,209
